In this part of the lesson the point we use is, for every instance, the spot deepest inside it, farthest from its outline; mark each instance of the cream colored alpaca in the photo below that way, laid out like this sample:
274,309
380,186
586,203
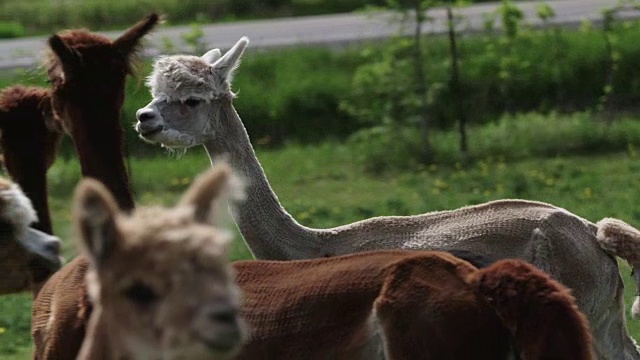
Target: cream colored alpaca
159,279
23,250
192,105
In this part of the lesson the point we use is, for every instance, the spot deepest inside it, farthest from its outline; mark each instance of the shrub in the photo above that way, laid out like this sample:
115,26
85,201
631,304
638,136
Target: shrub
11,29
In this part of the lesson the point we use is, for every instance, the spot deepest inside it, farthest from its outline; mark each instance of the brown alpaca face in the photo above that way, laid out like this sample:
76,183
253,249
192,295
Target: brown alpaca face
89,83
187,309
88,71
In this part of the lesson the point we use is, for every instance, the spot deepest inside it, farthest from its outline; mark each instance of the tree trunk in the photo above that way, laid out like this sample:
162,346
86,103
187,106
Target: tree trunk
458,105
421,84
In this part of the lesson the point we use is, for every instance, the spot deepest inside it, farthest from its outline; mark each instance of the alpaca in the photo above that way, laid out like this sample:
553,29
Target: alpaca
403,305
87,72
159,279
27,256
29,138
192,105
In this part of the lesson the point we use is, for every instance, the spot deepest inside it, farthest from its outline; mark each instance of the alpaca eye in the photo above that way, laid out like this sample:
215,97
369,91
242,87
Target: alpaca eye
192,102
140,294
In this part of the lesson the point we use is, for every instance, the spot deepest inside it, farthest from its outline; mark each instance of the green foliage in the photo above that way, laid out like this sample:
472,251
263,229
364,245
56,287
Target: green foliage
384,148
195,39
512,138
11,29
293,94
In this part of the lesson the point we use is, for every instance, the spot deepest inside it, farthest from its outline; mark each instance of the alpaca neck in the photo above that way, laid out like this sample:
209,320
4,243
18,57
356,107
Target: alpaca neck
33,181
268,229
101,157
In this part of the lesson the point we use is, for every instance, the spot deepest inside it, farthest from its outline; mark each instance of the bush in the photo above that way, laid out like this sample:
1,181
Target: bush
11,29
511,138
384,148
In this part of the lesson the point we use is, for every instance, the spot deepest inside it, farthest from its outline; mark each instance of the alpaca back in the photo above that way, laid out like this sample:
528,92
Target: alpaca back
60,314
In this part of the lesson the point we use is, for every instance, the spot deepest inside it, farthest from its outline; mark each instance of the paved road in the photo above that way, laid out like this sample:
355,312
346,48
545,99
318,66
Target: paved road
327,30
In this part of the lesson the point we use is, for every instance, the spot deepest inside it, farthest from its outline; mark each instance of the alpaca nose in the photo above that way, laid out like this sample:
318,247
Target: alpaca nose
226,315
145,115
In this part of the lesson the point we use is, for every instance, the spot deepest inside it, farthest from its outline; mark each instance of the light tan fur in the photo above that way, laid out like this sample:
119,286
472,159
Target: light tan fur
549,237
159,279
621,239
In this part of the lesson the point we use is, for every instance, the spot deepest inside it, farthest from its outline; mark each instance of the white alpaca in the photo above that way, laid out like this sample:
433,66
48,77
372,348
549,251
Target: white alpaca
192,105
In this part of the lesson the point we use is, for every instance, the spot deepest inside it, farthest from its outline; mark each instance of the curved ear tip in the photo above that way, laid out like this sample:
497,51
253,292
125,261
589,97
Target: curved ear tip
155,18
244,40
54,40
88,187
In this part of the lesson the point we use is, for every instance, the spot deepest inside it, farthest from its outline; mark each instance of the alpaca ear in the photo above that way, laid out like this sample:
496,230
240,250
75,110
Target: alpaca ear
95,212
227,64
212,56
68,56
130,40
209,193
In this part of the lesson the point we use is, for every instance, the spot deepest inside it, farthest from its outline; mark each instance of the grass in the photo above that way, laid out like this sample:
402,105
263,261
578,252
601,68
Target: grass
593,187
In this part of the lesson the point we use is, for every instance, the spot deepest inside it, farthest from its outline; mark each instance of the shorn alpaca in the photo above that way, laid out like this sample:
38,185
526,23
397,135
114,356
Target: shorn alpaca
29,136
88,73
159,280
23,248
405,305
192,105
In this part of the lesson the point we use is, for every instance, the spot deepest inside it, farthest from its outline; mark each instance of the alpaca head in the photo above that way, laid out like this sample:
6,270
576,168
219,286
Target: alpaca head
88,70
188,92
160,276
23,249
26,120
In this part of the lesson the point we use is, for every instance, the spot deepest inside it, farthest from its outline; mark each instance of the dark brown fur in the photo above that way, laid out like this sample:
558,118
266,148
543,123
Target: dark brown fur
426,303
540,313
428,311
29,138
87,72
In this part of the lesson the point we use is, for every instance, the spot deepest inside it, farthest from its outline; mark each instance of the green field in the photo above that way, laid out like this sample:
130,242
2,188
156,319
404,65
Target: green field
593,187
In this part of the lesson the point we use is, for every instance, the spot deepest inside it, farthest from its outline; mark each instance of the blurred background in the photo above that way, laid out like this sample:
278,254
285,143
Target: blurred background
416,106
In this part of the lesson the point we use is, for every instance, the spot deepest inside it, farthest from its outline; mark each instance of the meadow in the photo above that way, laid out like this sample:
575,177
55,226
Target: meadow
593,186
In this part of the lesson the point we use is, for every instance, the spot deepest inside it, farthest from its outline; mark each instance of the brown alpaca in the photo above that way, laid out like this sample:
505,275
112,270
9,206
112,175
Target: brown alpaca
159,279
23,249
29,137
403,305
87,72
